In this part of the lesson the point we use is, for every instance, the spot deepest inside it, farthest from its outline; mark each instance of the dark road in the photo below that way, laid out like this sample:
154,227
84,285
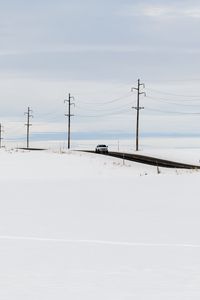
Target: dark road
147,160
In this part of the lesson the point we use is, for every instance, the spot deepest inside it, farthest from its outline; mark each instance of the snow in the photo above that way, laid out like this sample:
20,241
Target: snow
83,226
188,156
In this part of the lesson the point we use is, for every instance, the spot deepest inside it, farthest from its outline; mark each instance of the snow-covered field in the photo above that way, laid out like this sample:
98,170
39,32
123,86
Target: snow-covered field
80,226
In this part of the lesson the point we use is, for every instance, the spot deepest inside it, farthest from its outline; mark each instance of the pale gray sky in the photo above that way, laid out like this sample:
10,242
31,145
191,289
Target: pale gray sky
96,50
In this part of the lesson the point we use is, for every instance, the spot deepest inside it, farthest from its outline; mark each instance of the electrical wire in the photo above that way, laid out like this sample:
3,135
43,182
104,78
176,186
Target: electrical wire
103,115
172,80
174,100
172,112
48,113
165,101
171,94
111,109
108,102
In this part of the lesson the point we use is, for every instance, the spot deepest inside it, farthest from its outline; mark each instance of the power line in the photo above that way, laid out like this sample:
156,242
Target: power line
171,94
175,100
105,115
48,114
111,109
165,101
173,112
173,80
108,102
106,89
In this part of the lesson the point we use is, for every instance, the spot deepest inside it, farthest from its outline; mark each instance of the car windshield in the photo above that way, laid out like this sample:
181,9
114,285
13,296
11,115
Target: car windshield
102,146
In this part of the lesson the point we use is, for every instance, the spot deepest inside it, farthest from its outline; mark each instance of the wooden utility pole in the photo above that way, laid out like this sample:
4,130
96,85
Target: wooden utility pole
28,126
69,115
138,108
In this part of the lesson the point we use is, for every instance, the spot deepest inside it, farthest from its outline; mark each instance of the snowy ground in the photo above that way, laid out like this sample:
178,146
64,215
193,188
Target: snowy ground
81,226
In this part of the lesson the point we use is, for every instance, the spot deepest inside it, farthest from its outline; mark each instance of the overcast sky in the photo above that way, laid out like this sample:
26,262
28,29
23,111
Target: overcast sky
96,50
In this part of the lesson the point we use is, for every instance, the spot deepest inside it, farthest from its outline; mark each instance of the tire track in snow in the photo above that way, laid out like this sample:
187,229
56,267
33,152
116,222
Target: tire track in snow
97,242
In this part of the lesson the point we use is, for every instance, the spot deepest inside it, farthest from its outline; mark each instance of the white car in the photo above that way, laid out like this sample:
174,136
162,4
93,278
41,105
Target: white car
101,149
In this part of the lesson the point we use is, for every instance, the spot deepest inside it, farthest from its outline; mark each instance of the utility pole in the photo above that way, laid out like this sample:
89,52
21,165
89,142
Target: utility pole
28,125
1,130
138,108
69,115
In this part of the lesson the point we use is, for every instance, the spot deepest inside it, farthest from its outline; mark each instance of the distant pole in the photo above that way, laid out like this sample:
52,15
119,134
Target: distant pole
69,115
138,108
0,135
28,113
1,130
69,122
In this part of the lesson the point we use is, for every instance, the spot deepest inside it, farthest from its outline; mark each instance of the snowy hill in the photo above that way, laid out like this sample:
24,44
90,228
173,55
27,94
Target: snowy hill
81,226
